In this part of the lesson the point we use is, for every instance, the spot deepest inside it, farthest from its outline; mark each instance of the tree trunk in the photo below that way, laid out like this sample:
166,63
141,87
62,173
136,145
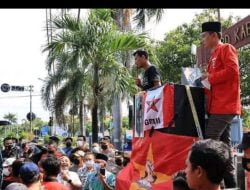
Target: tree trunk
95,106
122,18
78,15
102,111
218,12
81,117
95,124
117,122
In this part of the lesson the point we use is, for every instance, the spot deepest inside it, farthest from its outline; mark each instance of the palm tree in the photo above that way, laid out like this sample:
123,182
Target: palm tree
122,19
144,15
87,54
11,117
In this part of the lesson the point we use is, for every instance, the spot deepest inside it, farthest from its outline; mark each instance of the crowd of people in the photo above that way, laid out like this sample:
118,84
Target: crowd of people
29,165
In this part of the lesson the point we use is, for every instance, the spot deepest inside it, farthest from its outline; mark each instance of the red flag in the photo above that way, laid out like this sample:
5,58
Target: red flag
157,157
153,162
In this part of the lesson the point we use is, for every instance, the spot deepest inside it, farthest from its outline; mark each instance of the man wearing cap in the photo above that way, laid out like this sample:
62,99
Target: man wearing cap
245,146
224,93
16,186
102,179
7,172
30,176
151,77
77,158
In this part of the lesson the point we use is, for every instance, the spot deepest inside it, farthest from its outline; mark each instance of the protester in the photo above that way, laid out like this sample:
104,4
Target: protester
102,179
10,150
126,158
89,167
30,176
29,150
17,186
207,164
66,177
223,76
180,181
16,165
15,142
53,149
118,165
77,158
51,169
151,77
81,143
68,149
96,148
109,152
7,172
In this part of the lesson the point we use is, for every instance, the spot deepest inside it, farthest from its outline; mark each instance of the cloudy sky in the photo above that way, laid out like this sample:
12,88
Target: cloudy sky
22,36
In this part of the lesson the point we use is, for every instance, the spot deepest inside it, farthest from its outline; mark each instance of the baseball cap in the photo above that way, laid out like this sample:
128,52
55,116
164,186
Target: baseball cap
28,171
79,153
16,186
8,162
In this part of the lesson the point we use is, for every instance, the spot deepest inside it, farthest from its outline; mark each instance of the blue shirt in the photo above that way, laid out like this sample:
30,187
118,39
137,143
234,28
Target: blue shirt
93,182
67,150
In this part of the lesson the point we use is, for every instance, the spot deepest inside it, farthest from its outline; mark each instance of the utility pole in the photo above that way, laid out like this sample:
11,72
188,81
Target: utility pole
218,12
31,115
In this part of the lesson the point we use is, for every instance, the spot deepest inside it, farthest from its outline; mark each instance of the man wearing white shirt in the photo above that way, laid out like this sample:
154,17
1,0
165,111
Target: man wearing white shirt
66,177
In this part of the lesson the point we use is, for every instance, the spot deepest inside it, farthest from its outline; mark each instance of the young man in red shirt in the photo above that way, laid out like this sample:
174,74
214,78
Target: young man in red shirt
51,168
224,93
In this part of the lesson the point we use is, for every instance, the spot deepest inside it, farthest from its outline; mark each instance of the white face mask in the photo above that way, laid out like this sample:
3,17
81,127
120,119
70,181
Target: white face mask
96,150
6,172
89,163
79,143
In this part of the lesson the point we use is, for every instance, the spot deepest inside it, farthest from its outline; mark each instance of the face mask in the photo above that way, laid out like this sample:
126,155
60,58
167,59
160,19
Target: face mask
89,163
96,150
6,172
245,162
104,147
51,151
68,144
9,147
118,162
79,143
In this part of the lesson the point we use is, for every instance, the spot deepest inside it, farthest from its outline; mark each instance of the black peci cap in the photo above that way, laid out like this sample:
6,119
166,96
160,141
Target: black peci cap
101,157
211,27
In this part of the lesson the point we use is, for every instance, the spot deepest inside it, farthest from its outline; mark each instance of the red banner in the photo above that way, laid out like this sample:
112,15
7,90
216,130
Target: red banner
154,160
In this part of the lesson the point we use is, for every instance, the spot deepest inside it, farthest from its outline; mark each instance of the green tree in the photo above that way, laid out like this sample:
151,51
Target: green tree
11,117
142,16
174,52
244,59
246,118
87,54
